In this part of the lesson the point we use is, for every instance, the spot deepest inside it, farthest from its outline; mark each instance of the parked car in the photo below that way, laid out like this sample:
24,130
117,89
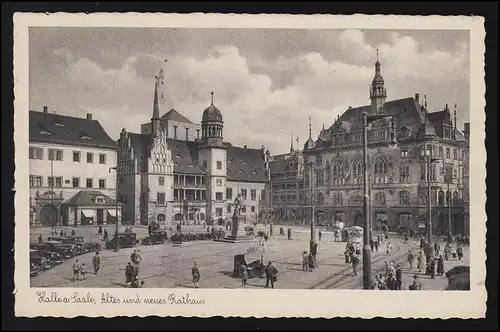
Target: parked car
53,257
38,260
69,242
156,236
126,240
67,251
34,270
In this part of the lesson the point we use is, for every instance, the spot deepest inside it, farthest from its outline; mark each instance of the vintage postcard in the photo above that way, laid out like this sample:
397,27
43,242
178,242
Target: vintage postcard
249,165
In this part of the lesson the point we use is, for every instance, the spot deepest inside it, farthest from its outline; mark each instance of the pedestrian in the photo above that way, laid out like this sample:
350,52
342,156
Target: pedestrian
410,258
399,277
387,269
304,261
261,240
96,262
64,233
460,252
135,258
347,258
40,239
106,236
73,233
416,284
388,249
376,245
406,238
432,267
437,248
391,282
129,273
382,284
319,235
99,230
61,233
195,272
387,236
83,270
440,266
244,275
76,270
310,262
355,262
270,274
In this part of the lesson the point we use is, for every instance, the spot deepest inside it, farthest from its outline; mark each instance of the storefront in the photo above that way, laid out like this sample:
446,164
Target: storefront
91,208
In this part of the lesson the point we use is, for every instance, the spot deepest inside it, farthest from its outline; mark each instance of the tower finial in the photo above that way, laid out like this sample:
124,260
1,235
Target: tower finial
212,93
455,116
310,131
297,140
377,54
425,101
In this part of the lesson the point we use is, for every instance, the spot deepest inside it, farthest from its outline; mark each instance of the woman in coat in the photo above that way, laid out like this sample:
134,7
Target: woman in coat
420,258
244,275
440,266
310,261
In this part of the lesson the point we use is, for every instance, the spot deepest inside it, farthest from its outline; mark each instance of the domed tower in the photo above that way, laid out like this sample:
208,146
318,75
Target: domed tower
212,156
378,93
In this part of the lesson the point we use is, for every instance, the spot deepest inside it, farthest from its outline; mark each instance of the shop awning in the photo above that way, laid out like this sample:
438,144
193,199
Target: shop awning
112,212
87,213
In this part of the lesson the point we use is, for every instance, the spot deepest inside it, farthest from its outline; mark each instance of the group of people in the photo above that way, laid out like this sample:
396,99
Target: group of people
132,270
53,232
80,269
351,256
307,261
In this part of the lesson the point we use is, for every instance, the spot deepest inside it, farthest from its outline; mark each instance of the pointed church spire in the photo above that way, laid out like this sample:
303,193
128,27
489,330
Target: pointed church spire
378,93
155,120
310,131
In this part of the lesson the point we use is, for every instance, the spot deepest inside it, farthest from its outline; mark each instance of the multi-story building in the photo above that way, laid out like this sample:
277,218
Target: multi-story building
466,195
70,178
398,176
166,176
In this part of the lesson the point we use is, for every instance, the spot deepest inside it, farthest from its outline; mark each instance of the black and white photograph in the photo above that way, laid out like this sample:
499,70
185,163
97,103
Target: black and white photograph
249,160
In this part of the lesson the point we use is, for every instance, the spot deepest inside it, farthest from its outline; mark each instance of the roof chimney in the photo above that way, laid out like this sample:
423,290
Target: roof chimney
245,146
350,107
45,109
89,116
417,98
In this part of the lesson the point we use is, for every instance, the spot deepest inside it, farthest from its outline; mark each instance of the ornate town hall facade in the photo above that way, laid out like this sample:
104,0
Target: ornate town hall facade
176,170
398,176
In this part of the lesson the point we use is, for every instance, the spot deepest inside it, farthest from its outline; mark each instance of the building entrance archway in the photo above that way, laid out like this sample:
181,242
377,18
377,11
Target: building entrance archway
357,219
48,215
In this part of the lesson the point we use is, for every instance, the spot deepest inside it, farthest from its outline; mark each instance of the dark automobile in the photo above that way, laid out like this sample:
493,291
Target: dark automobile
53,257
155,236
254,269
69,242
38,260
66,250
126,240
34,270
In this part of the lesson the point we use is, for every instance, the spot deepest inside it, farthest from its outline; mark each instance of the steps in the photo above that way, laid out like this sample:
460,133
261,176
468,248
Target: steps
237,239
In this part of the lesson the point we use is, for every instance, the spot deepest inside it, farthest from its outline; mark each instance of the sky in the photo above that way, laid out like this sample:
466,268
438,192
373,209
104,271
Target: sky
266,82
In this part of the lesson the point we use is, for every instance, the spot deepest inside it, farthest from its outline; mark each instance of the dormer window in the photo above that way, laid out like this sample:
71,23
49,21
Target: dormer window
84,136
59,124
99,200
244,162
254,172
240,171
45,132
178,156
190,165
176,164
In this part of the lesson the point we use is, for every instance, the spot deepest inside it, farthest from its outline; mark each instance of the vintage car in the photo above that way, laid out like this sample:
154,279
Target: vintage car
125,240
34,270
66,250
38,260
53,257
69,242
155,236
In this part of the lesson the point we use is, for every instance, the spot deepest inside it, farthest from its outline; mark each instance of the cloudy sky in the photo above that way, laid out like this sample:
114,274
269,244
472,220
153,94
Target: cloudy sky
267,83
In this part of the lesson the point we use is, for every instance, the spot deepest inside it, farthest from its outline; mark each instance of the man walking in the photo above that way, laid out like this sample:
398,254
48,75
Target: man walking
135,258
96,262
437,248
319,235
195,272
76,270
355,262
270,274
410,258
304,261
399,277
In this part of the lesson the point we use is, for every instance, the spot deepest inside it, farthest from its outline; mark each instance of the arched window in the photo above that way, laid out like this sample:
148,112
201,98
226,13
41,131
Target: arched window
441,198
357,171
455,197
380,198
380,170
404,197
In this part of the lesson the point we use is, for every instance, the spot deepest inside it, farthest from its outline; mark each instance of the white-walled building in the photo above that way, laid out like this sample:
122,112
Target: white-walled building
178,170
70,178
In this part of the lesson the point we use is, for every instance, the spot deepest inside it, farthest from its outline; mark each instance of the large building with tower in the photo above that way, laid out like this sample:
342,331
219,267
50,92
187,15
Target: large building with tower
398,175
176,170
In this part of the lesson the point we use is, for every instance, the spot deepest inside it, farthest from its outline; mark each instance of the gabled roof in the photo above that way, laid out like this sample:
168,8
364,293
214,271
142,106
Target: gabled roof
63,129
282,165
246,165
185,157
88,198
140,144
175,116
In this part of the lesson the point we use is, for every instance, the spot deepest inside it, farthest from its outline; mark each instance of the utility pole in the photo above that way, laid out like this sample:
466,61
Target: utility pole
367,259
312,245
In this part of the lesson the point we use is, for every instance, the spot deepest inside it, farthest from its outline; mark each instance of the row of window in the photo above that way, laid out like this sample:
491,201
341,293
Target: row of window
437,151
253,194
243,209
57,154
218,164
57,182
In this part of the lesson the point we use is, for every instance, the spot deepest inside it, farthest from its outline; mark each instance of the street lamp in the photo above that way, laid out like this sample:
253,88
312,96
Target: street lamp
117,238
312,243
367,263
448,178
429,160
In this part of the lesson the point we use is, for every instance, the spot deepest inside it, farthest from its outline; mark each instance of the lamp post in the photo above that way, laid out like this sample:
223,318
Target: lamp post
312,244
117,238
448,178
429,160
367,263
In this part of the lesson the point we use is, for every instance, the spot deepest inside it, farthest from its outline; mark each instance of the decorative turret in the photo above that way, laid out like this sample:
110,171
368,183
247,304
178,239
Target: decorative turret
310,143
212,125
155,120
378,93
